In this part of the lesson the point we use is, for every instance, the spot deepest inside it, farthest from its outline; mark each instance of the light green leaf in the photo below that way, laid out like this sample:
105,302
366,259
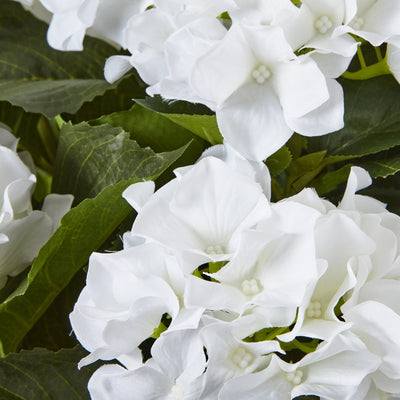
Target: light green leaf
40,79
204,126
91,158
279,161
303,170
194,117
331,180
372,119
41,374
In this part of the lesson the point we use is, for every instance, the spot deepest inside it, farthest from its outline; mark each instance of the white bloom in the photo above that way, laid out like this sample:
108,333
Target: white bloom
377,325
126,295
175,371
201,213
229,356
263,92
22,231
271,271
71,20
264,12
333,371
393,60
376,21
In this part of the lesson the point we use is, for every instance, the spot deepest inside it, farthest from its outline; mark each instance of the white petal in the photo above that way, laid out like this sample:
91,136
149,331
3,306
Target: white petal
26,237
7,139
378,326
116,67
358,179
56,206
138,194
300,86
326,118
230,62
251,120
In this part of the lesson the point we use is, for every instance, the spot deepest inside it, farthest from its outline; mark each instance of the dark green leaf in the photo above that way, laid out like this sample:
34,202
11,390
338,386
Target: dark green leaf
91,158
372,119
40,79
386,190
382,166
149,128
40,374
118,99
152,129
24,126
53,330
156,103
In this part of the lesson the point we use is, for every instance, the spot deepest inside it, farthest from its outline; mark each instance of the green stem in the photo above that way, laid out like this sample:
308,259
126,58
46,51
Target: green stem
378,54
361,58
370,71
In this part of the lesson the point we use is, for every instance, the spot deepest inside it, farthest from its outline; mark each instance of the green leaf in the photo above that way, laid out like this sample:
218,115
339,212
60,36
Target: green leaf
372,119
386,190
91,158
43,80
205,126
279,161
149,128
195,118
382,166
156,103
118,99
83,230
331,180
41,374
152,129
303,170
24,126
53,329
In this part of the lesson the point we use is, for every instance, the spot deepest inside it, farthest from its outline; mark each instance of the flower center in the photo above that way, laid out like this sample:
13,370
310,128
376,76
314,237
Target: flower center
242,358
251,287
216,249
323,24
314,310
357,23
261,74
294,377
177,392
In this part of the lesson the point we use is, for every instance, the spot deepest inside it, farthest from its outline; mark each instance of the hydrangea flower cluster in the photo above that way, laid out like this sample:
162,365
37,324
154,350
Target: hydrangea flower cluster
246,298
23,231
266,67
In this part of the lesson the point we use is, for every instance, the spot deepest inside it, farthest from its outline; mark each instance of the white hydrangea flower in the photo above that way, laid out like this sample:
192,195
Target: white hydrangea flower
376,21
271,272
333,371
22,231
393,60
126,295
297,272
182,216
106,18
263,92
175,371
